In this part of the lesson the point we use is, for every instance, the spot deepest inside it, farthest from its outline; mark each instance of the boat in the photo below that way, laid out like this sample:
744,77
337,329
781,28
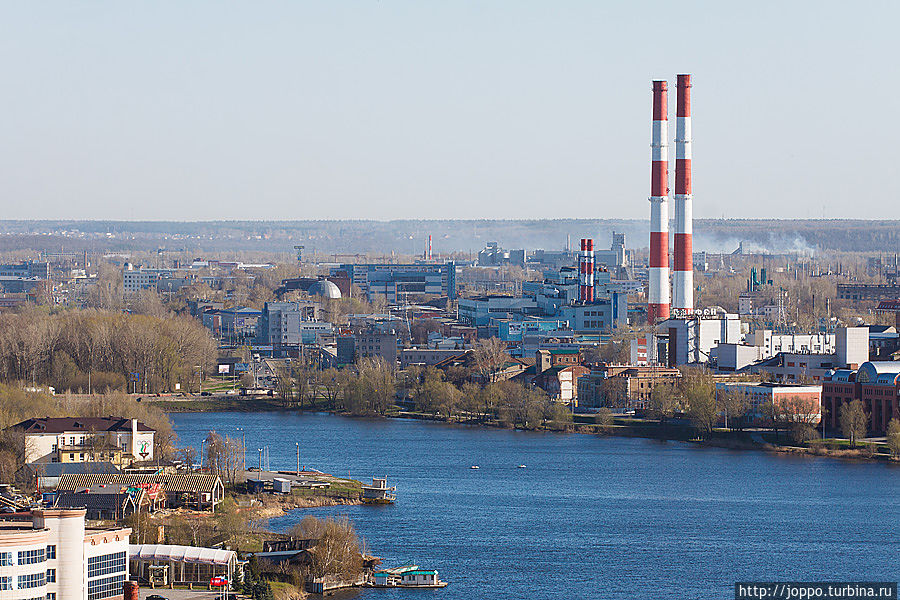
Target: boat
521,466
378,492
474,467
408,576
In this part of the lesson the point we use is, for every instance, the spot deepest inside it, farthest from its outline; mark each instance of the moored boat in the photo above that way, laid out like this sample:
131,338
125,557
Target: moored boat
408,576
378,492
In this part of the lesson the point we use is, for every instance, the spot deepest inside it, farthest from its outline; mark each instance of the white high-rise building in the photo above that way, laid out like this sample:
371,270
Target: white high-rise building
55,557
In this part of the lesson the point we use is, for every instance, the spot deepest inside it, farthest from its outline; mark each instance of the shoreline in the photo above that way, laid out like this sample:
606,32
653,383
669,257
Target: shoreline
733,440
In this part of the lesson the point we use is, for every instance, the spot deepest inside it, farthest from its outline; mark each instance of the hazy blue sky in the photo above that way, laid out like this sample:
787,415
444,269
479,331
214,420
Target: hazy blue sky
458,109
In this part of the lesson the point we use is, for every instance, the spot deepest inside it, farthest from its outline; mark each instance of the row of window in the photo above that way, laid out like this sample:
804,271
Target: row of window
24,582
106,587
27,557
106,564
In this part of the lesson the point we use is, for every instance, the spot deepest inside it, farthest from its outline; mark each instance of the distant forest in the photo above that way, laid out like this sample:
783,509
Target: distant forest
410,236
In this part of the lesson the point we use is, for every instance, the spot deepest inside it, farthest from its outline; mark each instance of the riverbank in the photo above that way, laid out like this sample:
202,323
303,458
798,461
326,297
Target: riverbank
678,430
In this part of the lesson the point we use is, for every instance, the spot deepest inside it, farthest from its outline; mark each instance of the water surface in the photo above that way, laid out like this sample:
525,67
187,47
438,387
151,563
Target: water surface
589,516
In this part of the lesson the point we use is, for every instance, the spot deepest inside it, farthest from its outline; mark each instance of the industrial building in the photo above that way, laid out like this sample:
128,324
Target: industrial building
875,383
393,282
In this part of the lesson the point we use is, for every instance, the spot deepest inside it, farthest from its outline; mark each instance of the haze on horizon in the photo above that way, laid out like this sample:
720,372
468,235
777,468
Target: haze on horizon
400,109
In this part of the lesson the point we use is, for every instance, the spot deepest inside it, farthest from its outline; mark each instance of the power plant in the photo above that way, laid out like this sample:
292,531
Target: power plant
658,303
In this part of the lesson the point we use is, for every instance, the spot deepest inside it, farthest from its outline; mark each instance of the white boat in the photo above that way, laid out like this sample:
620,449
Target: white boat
474,467
521,466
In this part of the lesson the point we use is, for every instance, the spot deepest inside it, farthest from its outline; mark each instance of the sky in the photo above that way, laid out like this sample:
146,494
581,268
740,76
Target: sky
384,109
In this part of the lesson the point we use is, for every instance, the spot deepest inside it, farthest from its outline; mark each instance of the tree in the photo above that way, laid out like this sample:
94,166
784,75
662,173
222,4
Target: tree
604,419
664,402
234,458
736,405
331,381
698,392
893,437
284,383
854,421
490,356
774,415
614,391
802,433
338,552
215,453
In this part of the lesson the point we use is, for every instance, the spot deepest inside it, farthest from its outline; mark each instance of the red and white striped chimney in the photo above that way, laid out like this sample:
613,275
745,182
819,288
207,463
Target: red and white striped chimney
589,270
658,300
683,285
582,271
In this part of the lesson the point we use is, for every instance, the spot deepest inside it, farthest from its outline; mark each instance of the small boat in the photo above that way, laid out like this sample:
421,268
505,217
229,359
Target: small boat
378,492
474,467
521,466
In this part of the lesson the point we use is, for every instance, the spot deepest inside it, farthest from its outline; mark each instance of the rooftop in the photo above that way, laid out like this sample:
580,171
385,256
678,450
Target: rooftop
78,424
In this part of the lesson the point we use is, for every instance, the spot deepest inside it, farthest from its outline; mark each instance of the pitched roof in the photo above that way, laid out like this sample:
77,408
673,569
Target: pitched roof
78,424
171,483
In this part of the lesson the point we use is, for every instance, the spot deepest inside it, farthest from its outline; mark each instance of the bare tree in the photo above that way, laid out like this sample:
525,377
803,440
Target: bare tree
490,356
233,459
893,437
854,421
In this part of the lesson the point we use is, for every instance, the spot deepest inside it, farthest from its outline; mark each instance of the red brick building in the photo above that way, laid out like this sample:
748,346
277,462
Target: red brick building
876,384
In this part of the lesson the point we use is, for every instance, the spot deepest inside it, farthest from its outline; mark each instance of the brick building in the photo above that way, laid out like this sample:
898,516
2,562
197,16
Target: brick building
876,384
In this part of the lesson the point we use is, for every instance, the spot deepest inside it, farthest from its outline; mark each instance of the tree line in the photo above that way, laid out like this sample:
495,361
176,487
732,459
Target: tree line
88,350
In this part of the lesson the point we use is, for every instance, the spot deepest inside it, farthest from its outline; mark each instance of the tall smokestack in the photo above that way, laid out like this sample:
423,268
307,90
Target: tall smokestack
589,270
658,301
684,211
429,247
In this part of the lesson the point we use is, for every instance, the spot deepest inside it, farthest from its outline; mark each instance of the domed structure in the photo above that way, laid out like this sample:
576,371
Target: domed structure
324,288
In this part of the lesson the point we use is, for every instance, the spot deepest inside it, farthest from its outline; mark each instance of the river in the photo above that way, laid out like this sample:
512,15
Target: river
589,516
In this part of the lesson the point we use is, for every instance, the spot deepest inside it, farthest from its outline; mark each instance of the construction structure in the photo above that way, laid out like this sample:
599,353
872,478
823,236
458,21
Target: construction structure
658,298
683,271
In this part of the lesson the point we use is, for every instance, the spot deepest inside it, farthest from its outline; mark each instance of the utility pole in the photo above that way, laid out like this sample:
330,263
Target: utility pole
298,459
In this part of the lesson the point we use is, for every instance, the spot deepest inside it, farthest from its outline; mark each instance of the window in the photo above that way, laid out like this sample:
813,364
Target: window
6,583
6,559
51,595
106,564
32,580
106,587
29,557
51,575
51,552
